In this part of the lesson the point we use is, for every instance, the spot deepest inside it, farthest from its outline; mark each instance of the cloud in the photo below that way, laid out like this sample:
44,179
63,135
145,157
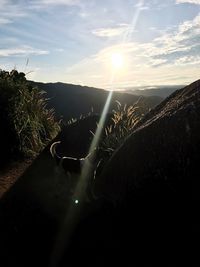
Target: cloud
111,32
140,5
10,11
59,2
4,21
44,3
197,2
21,51
185,60
166,49
59,50
169,47
171,58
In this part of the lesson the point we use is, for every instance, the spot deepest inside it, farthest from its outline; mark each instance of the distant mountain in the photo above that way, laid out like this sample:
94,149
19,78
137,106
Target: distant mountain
162,91
71,101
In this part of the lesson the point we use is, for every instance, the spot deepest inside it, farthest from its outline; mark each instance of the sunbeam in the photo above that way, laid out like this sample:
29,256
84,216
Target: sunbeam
75,208
131,28
118,60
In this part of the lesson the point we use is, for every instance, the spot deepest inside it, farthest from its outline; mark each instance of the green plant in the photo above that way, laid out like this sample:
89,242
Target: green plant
25,114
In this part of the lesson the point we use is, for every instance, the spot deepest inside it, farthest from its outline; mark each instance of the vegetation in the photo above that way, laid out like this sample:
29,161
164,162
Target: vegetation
123,121
81,117
26,123
124,118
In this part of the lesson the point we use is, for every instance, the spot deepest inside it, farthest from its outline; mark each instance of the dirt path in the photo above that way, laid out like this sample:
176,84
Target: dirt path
11,173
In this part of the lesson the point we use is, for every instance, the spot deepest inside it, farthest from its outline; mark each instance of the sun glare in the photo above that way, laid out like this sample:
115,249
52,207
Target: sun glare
117,60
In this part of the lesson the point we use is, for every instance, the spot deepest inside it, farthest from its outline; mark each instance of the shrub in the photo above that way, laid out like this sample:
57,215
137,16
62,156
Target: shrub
27,125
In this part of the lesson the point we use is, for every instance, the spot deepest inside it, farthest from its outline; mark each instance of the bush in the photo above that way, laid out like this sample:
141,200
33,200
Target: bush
27,125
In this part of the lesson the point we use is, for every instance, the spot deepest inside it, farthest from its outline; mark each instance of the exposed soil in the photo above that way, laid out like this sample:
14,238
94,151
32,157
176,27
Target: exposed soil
11,173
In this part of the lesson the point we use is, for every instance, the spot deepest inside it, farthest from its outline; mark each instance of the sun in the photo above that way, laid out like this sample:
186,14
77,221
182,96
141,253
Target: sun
117,60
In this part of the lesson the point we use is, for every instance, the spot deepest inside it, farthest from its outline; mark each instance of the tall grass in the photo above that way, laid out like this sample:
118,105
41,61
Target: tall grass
24,113
124,118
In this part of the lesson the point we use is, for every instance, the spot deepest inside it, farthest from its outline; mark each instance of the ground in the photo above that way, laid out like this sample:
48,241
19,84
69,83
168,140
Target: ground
11,173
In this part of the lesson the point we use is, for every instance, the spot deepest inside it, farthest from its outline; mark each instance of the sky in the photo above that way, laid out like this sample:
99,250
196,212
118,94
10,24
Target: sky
74,41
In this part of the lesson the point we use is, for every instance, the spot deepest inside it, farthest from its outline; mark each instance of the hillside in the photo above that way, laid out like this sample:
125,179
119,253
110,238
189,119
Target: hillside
157,163
32,210
176,124
144,190
71,101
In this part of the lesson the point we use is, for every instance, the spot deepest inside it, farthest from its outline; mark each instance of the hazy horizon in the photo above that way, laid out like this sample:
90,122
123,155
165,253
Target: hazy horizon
145,43
125,87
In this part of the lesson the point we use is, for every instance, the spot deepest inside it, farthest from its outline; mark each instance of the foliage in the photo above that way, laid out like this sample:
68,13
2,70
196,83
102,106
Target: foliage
24,115
124,118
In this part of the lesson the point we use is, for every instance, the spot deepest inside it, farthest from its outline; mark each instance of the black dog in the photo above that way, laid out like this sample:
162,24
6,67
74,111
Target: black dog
74,171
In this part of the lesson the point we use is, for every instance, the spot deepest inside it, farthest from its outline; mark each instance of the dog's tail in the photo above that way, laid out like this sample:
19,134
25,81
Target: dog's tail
54,153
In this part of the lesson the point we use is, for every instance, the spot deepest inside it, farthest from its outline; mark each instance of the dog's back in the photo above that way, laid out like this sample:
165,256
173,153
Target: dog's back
71,165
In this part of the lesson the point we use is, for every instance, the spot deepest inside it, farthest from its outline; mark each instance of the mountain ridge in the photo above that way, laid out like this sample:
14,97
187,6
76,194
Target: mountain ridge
162,91
72,101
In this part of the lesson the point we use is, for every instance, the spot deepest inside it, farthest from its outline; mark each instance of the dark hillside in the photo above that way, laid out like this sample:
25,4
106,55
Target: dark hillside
156,166
32,211
71,101
148,180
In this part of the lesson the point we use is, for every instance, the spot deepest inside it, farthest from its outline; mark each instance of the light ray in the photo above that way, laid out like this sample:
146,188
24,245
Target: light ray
73,213
131,28
126,38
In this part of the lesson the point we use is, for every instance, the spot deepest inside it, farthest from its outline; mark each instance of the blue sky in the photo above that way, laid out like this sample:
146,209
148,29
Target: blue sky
73,41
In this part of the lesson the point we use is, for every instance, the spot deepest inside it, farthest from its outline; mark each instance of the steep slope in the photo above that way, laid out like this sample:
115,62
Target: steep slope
159,161
149,181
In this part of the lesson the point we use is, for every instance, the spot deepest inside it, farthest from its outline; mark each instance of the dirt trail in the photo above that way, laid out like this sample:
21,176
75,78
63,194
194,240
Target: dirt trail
11,173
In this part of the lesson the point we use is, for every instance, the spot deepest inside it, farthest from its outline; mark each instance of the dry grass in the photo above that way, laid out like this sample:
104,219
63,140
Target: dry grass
124,118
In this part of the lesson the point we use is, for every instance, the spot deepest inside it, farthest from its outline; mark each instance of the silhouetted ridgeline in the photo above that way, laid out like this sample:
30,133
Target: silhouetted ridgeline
149,180
156,166
71,101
